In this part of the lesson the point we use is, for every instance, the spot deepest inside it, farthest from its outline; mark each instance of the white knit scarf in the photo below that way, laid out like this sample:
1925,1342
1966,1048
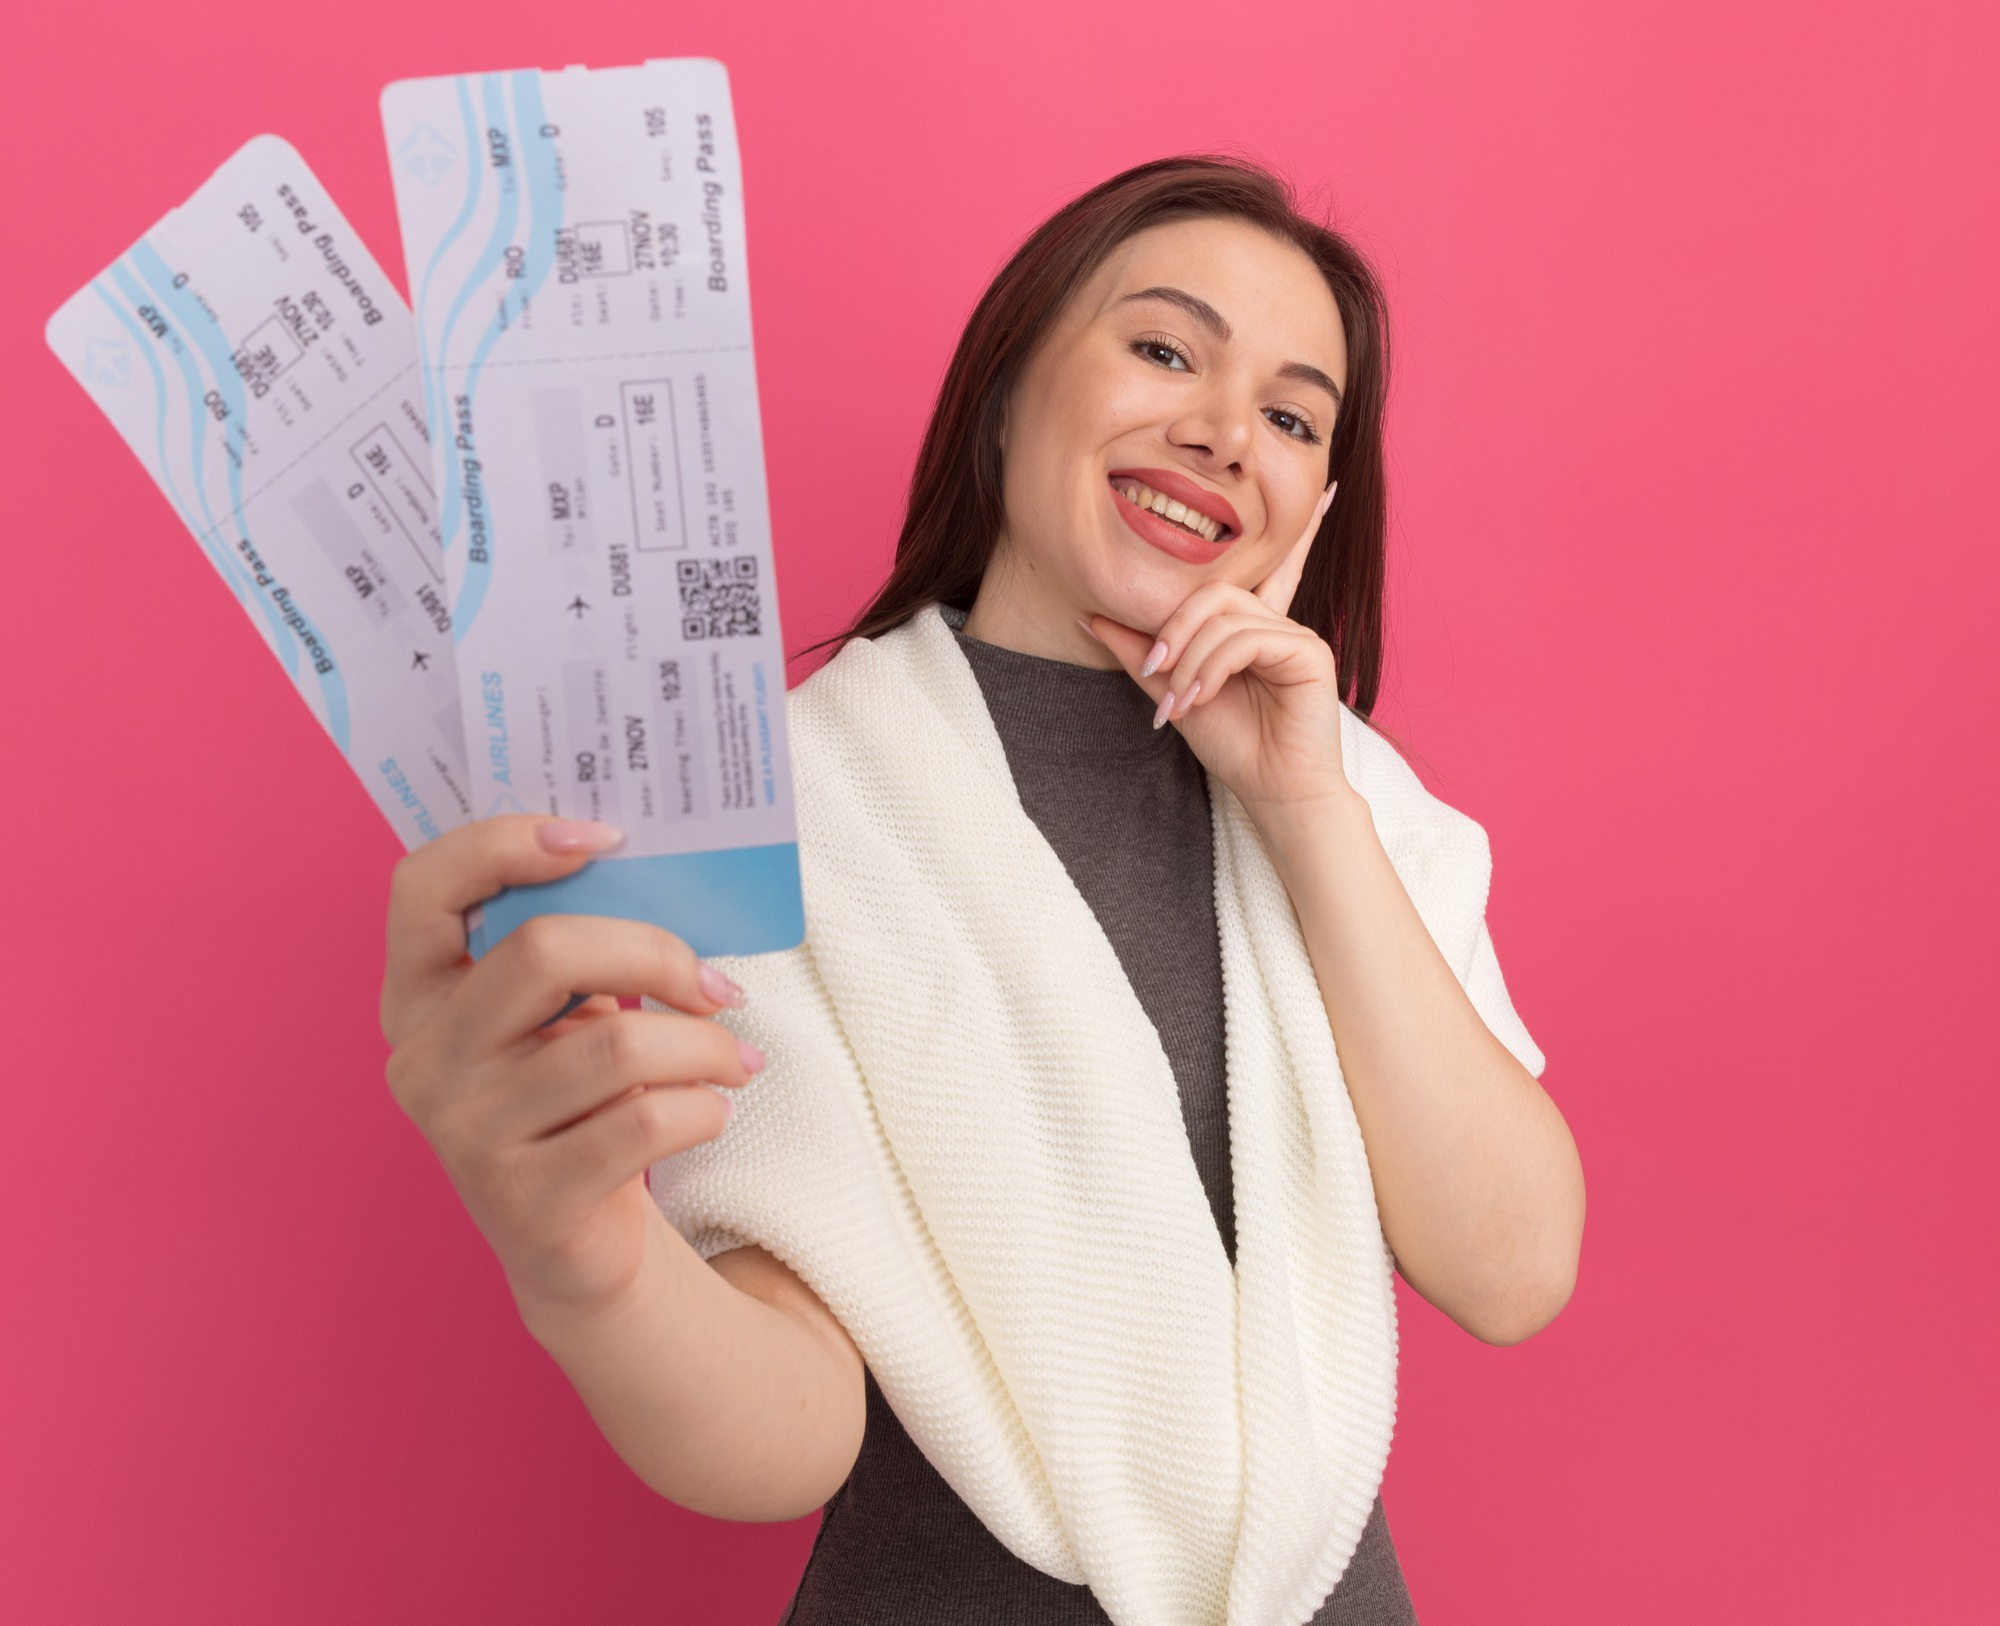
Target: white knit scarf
968,1142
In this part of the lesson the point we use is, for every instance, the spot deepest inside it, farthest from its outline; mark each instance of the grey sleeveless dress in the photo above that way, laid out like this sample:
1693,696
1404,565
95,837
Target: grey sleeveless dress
1126,810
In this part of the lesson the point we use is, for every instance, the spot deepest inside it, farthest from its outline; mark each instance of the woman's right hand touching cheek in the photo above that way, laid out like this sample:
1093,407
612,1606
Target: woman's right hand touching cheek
546,1131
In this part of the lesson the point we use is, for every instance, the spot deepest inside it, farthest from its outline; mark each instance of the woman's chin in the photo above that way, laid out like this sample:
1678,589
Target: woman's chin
1144,605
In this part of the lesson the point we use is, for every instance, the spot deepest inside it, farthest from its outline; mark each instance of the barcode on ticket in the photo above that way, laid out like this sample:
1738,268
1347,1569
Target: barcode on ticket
719,597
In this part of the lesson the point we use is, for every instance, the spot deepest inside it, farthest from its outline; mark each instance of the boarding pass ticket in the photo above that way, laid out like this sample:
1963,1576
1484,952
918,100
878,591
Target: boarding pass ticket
258,362
575,248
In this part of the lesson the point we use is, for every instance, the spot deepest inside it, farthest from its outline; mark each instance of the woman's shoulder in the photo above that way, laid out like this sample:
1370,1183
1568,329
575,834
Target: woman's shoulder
817,707
858,658
873,694
834,676
870,717
1377,768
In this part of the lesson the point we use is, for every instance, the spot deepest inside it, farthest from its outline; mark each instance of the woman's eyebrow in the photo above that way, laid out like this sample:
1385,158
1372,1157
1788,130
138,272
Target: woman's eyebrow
1212,319
1200,309
1306,374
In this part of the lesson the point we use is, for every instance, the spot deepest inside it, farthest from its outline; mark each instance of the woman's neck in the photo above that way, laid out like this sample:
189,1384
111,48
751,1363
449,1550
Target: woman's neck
1011,613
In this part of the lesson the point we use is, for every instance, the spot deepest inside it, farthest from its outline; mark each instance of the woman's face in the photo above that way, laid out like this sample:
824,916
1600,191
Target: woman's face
1200,365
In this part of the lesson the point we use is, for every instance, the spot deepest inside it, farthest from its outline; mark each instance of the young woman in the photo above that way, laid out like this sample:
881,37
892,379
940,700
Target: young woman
1146,1019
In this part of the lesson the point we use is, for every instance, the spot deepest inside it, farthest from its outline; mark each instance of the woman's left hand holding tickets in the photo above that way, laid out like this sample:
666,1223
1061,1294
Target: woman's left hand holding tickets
1255,695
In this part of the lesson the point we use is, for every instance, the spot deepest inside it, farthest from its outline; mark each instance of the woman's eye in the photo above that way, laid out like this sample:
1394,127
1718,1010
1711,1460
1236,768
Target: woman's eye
1162,355
1292,424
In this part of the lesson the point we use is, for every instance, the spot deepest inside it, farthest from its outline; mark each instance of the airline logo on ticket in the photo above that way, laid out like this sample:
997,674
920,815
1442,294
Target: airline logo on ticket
575,247
255,358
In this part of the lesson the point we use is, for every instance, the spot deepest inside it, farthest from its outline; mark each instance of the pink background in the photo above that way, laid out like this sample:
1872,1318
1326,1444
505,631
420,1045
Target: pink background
1694,565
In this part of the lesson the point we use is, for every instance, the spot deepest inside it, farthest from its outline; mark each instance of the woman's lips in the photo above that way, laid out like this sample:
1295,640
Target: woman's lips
1165,535
1185,492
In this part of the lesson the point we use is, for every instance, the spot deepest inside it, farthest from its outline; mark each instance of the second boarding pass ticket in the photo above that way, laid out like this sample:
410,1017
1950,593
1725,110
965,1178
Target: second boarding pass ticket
575,244
255,358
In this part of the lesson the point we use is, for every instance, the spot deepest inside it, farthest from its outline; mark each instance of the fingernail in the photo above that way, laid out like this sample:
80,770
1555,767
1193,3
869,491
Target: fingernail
728,1106
719,988
577,836
1083,621
753,1058
1166,705
1154,656
1187,700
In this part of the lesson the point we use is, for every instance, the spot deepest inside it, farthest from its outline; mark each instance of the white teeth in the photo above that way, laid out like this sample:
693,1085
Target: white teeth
1141,496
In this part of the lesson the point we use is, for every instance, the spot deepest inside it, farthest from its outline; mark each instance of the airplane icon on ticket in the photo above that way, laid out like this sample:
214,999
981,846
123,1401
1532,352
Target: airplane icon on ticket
107,361
427,155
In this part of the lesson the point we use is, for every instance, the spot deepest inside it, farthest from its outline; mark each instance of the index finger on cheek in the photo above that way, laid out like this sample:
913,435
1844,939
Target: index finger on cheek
1276,589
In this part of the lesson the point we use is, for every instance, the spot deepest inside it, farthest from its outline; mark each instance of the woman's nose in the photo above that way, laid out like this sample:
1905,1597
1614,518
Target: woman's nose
1216,426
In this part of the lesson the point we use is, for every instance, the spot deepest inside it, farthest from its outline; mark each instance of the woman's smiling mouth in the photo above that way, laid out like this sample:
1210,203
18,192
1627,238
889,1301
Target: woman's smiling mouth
1174,514
1177,499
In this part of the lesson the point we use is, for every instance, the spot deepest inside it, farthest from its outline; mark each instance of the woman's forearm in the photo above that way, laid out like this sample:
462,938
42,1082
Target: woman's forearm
1477,1178
725,1403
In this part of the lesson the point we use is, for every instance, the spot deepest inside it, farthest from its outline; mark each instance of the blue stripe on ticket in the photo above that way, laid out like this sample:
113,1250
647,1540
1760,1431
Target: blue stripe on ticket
740,900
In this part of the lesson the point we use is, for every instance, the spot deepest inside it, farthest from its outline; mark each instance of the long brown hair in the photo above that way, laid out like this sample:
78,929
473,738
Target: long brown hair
955,510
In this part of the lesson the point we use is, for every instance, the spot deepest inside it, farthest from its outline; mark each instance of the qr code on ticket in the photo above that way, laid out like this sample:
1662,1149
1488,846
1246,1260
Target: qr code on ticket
719,597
